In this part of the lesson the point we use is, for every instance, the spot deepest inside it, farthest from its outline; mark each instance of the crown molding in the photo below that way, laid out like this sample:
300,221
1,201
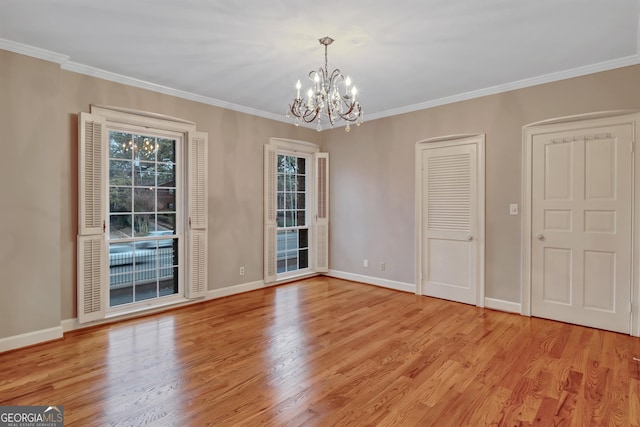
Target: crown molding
76,67
519,84
34,52
142,84
66,64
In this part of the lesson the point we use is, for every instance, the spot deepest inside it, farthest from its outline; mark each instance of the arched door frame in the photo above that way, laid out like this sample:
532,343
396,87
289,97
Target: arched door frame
562,123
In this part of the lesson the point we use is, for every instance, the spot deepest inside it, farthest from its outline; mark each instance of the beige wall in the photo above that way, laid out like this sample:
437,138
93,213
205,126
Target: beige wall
31,147
372,173
372,180
39,104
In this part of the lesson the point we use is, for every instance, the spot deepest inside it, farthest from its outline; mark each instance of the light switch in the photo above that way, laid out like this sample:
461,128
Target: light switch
513,209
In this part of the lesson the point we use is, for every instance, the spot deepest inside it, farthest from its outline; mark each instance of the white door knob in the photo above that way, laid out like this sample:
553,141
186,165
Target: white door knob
540,236
469,237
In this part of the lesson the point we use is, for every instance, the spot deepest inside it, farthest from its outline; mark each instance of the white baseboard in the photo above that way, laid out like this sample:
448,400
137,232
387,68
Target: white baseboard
502,305
391,284
73,324
30,338
70,324
233,290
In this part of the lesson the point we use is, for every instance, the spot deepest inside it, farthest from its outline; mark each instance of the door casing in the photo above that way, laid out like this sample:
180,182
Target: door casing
568,123
441,142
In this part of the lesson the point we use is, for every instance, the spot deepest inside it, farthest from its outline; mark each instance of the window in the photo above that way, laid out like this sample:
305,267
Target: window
144,227
296,210
142,212
291,214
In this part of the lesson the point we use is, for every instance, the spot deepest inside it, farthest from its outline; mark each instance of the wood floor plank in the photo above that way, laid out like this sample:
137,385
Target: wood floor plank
325,351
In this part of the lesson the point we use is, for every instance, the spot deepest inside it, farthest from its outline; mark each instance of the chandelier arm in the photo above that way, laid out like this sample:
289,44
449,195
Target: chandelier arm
295,108
308,112
335,74
348,117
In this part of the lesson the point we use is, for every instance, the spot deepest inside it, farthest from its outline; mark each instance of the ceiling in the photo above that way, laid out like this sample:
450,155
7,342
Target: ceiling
403,55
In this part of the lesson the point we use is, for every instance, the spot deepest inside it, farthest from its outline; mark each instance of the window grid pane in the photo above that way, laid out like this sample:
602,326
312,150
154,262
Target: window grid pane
143,246
292,235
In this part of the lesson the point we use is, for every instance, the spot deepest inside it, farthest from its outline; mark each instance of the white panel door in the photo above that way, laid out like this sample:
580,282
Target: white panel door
581,227
449,223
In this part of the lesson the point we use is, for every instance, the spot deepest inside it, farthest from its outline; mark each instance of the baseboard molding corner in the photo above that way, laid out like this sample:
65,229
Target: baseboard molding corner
235,289
30,338
502,305
376,281
70,324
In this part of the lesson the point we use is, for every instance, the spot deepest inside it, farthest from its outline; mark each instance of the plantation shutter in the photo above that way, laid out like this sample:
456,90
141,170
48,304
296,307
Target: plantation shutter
197,254
91,217
270,226
322,212
92,137
91,258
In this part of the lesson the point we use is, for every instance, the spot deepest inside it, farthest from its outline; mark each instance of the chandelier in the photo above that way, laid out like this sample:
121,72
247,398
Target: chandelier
331,97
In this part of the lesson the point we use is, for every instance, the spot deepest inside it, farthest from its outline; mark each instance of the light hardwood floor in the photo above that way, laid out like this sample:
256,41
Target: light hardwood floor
324,352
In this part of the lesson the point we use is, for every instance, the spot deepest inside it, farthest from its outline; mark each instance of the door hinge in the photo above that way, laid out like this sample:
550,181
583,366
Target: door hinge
633,146
630,307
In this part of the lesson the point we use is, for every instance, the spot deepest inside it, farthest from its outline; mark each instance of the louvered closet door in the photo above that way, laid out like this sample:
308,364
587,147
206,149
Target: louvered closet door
449,206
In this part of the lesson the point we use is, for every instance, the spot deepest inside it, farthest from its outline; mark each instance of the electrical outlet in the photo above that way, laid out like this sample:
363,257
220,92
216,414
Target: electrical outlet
382,266
365,263
242,271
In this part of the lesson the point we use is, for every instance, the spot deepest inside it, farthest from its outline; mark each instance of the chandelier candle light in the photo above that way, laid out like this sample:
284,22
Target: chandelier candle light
331,97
